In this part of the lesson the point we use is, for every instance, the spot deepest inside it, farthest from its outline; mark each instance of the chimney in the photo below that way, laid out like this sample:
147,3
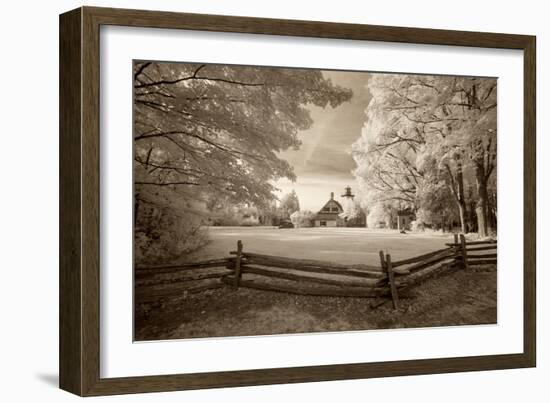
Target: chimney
331,195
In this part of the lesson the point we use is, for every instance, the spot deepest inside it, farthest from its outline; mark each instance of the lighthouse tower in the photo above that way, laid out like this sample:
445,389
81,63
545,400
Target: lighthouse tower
353,215
348,195
350,209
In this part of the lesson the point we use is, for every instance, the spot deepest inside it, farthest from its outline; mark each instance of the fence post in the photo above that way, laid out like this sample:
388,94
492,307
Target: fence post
464,251
386,266
456,248
238,258
382,262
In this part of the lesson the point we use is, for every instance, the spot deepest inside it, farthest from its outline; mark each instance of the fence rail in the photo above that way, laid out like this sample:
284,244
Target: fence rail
311,277
470,250
158,282
317,266
190,266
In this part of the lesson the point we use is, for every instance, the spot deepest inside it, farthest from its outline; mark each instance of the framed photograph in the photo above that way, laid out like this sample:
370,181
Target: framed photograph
248,201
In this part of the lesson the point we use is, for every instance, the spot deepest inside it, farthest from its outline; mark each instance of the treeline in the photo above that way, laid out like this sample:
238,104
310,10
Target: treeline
225,213
429,145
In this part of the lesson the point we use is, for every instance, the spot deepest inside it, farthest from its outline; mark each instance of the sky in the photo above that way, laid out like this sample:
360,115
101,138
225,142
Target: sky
323,164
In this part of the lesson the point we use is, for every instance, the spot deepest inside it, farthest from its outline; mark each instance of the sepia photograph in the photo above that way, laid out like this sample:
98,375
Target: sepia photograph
277,200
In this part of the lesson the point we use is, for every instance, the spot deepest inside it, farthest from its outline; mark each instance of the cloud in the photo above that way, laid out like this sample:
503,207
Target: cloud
323,163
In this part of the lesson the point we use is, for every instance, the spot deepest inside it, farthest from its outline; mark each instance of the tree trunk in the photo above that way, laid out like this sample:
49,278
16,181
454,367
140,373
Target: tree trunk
491,212
457,189
462,215
472,218
481,206
461,200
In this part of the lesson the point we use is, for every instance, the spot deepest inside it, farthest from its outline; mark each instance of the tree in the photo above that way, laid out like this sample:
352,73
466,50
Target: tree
437,205
203,133
387,150
302,219
381,215
290,204
219,128
422,131
351,208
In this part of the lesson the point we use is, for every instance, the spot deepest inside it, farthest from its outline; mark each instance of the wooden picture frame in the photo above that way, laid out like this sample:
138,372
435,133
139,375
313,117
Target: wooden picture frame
79,346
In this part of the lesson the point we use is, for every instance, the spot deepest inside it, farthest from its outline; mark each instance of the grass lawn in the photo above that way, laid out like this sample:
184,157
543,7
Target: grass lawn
341,245
460,298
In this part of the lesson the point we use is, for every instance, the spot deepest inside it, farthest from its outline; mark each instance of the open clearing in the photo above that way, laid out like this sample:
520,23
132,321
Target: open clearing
342,245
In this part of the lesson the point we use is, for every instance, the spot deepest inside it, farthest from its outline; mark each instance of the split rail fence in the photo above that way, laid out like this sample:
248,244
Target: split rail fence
311,277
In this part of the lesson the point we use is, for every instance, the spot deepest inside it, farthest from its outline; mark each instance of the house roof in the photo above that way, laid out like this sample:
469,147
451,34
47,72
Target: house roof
333,202
329,215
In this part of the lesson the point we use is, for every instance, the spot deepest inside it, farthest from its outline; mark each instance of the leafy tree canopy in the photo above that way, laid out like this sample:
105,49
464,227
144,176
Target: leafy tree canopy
424,133
214,131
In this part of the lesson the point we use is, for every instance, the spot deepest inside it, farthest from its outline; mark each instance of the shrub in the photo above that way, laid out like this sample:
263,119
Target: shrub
417,226
302,219
161,236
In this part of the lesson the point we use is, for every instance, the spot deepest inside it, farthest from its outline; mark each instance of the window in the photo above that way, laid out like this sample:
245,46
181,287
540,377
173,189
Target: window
323,224
335,209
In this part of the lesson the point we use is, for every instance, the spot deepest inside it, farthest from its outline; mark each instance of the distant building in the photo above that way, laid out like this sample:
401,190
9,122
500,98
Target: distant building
328,216
357,217
404,219
331,215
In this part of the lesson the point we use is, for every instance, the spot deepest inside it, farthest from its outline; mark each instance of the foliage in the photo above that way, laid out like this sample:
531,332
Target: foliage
380,216
417,226
228,214
289,204
302,219
219,128
162,236
426,139
351,208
